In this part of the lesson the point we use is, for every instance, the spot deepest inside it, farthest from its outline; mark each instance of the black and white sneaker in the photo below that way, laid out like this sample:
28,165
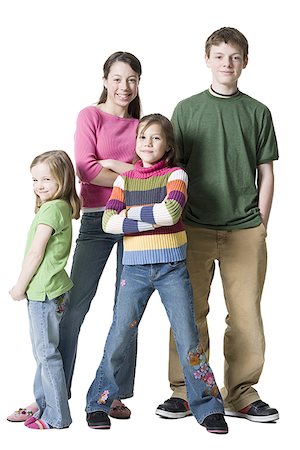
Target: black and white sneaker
98,420
174,408
258,411
215,423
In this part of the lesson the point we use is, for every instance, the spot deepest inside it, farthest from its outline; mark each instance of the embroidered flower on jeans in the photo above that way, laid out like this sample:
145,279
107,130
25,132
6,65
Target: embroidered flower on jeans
198,375
103,397
194,358
123,283
209,379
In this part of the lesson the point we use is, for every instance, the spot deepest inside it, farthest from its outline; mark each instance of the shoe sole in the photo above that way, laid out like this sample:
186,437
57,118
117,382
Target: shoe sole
170,415
261,419
21,418
217,431
119,417
16,420
99,427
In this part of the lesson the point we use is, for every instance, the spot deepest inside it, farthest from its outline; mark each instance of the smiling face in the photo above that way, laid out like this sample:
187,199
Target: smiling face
122,86
44,184
151,144
226,62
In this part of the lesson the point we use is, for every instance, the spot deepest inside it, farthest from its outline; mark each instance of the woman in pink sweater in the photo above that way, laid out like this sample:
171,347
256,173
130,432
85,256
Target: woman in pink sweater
105,131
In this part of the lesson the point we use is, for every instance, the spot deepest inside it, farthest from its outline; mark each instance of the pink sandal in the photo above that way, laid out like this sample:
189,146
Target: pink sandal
22,414
38,424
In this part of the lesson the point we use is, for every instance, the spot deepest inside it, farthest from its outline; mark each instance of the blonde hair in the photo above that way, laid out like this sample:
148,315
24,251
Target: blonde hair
62,170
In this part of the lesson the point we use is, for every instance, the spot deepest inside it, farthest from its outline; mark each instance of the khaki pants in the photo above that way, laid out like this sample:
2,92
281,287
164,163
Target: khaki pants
242,259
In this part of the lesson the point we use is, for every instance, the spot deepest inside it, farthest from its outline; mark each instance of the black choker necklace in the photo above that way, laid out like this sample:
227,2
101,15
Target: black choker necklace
224,95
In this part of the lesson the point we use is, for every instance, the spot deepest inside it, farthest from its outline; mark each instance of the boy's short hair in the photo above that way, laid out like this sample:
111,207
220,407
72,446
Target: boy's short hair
229,36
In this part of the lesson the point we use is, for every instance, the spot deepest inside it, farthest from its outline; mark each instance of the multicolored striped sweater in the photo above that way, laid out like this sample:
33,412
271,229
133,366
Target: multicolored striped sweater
146,205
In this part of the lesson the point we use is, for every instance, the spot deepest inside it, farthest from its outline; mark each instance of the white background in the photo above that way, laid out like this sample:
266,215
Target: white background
52,53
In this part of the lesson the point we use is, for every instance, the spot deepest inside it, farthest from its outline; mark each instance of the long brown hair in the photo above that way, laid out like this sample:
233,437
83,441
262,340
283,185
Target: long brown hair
134,108
62,170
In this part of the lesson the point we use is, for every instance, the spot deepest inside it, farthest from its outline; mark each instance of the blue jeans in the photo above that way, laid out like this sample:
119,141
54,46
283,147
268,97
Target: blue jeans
49,384
92,251
173,285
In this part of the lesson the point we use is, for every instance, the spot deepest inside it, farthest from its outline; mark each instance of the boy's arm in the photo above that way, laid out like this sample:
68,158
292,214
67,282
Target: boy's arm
265,190
32,260
176,119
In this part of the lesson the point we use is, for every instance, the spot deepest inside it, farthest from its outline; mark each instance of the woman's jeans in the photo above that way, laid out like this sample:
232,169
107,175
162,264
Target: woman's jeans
49,385
172,282
92,251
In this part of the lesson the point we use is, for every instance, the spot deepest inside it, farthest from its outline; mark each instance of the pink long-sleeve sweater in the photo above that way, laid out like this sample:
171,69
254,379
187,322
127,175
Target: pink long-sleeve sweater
100,135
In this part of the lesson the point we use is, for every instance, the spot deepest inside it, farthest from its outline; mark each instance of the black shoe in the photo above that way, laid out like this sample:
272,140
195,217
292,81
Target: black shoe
258,411
174,408
215,423
98,420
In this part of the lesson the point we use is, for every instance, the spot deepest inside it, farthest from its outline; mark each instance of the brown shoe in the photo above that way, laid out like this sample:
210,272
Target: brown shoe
119,411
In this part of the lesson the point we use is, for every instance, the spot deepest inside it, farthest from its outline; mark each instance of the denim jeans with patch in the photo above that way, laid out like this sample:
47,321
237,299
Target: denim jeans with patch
171,280
93,248
49,384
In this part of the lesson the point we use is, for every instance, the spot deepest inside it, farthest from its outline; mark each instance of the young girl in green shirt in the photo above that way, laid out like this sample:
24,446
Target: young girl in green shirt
44,282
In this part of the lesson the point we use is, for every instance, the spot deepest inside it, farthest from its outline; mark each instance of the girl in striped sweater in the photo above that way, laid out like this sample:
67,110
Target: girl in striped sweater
145,206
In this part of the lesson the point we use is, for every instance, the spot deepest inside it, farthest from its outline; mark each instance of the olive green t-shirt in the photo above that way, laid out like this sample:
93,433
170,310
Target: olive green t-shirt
221,142
51,279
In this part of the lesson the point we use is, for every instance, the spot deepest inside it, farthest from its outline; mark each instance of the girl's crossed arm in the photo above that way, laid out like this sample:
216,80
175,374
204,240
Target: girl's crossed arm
119,220
169,211
32,260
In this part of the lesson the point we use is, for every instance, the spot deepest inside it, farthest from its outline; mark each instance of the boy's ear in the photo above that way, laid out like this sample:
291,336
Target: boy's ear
206,60
245,62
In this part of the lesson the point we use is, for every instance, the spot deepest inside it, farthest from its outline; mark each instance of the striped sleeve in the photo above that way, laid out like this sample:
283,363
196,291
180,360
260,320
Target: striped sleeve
113,222
169,211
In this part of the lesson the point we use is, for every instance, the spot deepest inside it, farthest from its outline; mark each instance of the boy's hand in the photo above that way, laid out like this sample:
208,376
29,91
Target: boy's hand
16,294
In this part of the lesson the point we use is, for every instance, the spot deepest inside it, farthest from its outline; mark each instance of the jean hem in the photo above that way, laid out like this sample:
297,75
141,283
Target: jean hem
217,411
100,408
56,425
123,397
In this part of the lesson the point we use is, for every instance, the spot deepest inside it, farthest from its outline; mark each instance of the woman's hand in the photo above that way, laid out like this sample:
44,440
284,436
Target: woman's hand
107,163
116,166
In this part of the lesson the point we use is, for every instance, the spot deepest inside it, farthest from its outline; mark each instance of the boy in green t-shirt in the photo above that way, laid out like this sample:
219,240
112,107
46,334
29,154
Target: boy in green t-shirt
227,145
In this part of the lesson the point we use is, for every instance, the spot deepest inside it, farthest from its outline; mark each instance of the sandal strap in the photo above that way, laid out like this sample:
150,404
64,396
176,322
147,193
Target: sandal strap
24,411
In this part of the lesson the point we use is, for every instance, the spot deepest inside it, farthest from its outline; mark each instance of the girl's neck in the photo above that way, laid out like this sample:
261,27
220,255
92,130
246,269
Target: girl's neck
157,165
114,110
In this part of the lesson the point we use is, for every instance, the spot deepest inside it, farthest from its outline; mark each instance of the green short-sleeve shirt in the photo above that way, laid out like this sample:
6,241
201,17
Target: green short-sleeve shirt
221,142
51,279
